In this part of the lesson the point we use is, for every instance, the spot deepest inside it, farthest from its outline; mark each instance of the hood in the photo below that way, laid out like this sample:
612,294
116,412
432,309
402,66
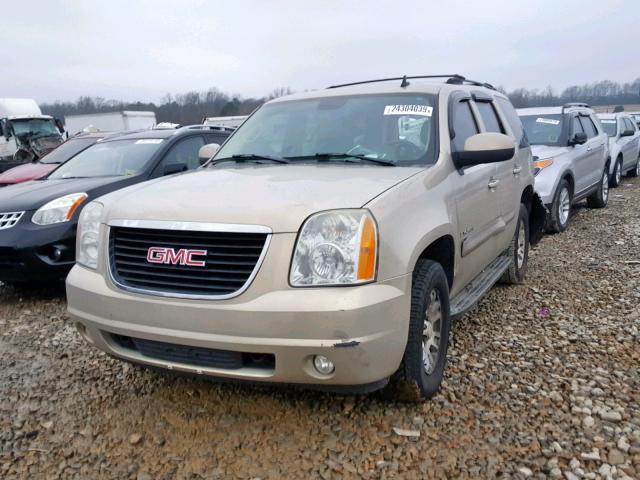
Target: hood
548,151
32,195
24,173
280,197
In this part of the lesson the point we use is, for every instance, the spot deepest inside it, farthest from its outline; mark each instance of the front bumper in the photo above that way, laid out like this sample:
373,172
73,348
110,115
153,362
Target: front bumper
26,251
362,330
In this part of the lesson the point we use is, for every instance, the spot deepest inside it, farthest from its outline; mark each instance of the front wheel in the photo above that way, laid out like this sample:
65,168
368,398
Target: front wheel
518,250
560,209
422,368
600,197
616,178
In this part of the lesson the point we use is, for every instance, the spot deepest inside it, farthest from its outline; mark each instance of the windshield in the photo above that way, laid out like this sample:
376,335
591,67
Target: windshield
115,158
67,150
35,127
610,126
543,129
397,128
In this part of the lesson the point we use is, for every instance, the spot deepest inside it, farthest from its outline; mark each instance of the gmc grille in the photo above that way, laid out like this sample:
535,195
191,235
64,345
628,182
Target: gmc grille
229,264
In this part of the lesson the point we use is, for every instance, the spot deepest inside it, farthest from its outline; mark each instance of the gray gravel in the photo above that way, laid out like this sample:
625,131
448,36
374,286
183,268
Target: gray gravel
542,382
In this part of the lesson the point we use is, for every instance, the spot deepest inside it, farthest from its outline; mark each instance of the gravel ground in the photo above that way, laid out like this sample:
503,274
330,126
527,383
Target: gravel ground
543,382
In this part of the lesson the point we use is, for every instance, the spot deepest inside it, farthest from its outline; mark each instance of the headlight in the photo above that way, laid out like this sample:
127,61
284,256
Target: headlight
337,247
538,165
58,210
88,234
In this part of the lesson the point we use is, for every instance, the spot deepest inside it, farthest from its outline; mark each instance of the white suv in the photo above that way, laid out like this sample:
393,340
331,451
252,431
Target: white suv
624,145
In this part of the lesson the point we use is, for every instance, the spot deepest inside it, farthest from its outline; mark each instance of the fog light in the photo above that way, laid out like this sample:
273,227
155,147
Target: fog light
323,365
56,254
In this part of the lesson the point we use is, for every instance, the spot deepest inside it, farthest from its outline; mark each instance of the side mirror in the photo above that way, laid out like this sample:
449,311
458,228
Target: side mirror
207,151
485,148
172,168
59,124
627,133
578,139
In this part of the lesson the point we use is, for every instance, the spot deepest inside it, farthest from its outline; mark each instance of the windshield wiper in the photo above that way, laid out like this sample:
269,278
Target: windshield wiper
247,157
345,157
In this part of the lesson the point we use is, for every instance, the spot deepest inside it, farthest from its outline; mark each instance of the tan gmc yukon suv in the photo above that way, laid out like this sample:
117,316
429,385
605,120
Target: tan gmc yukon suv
328,243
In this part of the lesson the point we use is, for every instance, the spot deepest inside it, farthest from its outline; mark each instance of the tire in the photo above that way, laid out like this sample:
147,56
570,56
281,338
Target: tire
635,171
600,197
519,250
417,380
616,178
560,208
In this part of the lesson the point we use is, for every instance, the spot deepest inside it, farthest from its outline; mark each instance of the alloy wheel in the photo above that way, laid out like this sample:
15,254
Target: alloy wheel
522,245
564,205
618,173
605,186
431,332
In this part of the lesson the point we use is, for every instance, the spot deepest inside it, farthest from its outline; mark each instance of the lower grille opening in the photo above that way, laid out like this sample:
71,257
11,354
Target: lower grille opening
196,356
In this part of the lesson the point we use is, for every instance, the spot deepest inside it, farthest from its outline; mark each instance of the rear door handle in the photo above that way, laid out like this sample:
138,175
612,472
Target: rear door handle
517,170
493,183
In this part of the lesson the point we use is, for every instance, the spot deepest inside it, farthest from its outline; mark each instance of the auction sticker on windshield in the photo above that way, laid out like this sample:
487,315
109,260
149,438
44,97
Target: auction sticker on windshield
608,121
422,110
550,121
147,141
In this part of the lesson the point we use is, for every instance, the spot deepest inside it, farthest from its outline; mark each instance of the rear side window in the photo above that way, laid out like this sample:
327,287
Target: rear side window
464,124
513,120
489,117
589,127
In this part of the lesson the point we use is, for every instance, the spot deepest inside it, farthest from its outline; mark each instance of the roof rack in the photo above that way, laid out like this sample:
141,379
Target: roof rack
452,79
574,105
199,126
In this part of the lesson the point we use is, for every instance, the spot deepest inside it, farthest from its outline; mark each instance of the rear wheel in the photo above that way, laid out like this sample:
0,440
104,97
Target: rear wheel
560,209
422,368
635,171
600,197
616,178
519,250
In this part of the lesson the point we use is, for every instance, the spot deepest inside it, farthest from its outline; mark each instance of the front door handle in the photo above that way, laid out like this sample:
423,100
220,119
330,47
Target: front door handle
588,149
517,170
493,183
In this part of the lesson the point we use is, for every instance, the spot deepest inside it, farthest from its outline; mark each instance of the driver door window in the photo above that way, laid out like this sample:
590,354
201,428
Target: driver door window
184,152
464,124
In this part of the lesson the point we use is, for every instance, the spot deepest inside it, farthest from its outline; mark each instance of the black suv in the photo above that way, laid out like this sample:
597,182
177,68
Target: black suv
38,219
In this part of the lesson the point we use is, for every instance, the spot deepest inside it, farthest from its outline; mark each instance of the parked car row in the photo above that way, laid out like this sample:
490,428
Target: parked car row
329,242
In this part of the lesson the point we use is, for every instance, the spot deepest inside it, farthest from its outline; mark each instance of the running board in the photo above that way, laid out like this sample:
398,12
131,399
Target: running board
479,286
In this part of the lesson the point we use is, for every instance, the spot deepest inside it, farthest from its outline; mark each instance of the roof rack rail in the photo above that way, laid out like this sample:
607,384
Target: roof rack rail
452,79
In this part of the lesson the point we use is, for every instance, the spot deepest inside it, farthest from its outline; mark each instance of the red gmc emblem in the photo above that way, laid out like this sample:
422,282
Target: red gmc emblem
172,257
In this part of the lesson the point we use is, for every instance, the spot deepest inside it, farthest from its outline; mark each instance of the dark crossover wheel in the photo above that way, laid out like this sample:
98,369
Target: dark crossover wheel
600,198
560,209
635,171
519,250
616,178
422,367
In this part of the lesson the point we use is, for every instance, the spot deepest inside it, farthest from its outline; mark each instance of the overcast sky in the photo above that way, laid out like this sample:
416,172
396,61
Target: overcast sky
140,50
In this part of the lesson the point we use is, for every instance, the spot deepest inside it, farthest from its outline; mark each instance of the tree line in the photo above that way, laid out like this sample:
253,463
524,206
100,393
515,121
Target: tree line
192,107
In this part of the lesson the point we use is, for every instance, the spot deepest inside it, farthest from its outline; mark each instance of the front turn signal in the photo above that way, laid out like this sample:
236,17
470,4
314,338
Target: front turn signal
368,250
